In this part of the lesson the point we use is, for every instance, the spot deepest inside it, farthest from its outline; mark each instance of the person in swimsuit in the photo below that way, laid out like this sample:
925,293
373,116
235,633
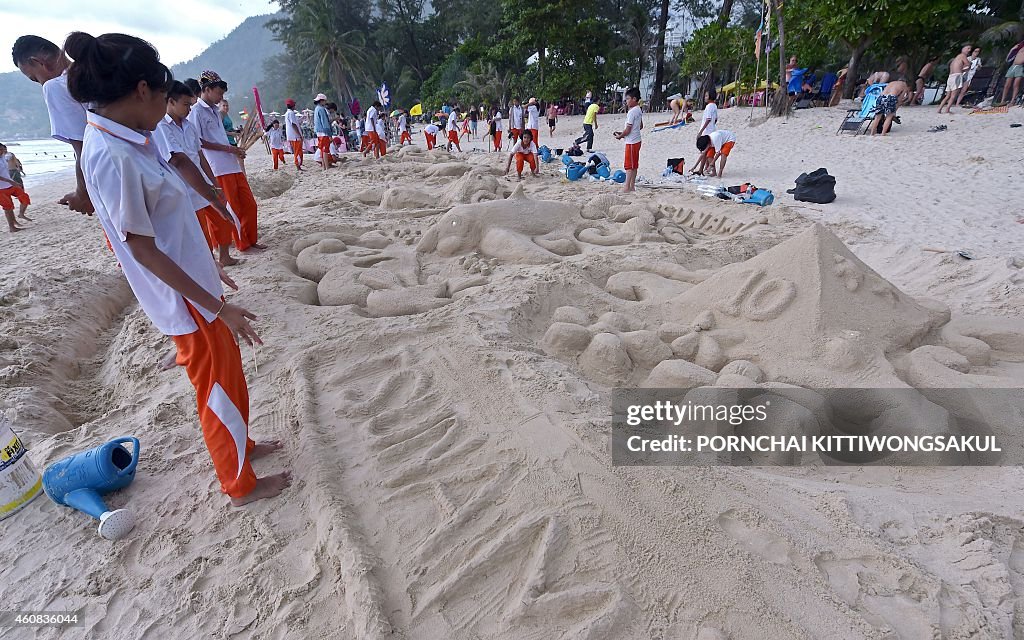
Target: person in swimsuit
895,93
975,61
926,72
958,67
1014,75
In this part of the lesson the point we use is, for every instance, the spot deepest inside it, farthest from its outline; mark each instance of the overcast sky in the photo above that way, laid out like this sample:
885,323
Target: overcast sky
180,29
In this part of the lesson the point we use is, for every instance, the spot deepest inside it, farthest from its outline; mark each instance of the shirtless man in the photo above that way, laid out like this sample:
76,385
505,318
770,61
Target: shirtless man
895,93
926,72
1014,75
958,67
878,77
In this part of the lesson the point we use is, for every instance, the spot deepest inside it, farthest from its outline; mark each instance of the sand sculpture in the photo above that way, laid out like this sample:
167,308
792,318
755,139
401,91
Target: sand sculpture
806,313
518,229
377,273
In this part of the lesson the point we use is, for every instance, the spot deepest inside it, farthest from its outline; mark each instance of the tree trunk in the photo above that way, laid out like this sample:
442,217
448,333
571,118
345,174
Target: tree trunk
781,105
725,13
658,96
850,85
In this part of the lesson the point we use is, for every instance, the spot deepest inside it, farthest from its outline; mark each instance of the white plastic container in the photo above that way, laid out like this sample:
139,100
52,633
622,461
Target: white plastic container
19,480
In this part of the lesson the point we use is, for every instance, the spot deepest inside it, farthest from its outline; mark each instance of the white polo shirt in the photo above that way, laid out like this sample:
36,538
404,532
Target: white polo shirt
516,114
711,117
170,138
5,172
519,148
371,119
208,121
403,125
451,126
531,117
431,129
291,117
276,137
135,191
720,137
67,115
498,125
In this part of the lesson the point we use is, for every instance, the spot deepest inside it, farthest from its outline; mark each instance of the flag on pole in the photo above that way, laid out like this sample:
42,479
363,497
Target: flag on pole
259,107
417,110
384,95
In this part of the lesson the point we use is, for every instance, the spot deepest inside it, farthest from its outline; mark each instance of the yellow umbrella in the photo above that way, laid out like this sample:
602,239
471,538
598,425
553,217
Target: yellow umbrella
417,110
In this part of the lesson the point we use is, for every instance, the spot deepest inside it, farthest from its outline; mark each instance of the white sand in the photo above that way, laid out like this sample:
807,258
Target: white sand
447,418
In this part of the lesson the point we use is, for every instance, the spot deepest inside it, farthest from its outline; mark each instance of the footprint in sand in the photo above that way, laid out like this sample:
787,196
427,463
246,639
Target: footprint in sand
769,546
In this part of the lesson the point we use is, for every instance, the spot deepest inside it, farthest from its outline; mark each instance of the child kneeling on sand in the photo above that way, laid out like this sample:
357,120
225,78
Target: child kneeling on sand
524,151
9,190
145,210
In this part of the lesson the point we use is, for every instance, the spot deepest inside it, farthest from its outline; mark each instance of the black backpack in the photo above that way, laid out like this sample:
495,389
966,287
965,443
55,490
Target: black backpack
816,186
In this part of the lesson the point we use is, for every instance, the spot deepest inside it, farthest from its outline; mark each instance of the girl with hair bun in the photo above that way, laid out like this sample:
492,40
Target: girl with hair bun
145,210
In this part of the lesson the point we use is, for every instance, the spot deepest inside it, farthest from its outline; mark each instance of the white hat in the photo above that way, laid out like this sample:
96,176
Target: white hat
319,97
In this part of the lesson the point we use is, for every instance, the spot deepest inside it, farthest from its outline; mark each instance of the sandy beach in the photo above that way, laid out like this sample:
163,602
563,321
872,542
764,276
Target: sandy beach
441,346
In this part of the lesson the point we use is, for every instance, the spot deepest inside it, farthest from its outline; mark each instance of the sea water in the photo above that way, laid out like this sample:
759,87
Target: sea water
43,160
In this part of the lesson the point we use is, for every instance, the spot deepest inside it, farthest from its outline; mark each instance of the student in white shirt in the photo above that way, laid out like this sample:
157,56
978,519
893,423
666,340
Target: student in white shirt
709,121
515,114
293,131
452,128
533,119
630,134
146,212
430,135
276,138
43,62
403,129
224,158
524,151
178,142
717,144
9,190
499,127
374,143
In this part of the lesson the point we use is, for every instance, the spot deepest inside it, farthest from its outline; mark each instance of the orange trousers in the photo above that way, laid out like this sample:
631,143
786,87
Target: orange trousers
497,140
217,230
214,366
297,152
405,137
278,155
382,145
514,135
431,140
525,157
8,195
535,134
323,143
239,196
364,142
453,137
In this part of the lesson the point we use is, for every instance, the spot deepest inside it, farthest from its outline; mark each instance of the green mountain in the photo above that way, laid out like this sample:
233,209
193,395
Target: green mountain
238,58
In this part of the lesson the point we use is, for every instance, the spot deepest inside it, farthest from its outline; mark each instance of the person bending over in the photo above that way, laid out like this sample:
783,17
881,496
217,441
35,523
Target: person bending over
524,152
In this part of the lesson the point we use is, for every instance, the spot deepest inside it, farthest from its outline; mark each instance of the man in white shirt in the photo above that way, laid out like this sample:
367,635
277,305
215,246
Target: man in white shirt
709,121
293,131
430,135
630,134
43,62
452,129
403,129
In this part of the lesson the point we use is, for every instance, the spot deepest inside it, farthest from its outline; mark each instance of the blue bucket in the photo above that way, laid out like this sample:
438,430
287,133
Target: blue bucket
619,176
604,171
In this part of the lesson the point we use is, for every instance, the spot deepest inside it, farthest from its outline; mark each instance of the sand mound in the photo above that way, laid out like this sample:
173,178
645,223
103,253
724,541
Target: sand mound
270,184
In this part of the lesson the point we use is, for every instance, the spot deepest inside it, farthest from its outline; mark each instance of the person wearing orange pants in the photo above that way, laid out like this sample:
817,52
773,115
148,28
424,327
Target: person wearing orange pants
403,128
293,132
238,194
405,137
430,135
145,210
524,151
9,190
497,126
275,138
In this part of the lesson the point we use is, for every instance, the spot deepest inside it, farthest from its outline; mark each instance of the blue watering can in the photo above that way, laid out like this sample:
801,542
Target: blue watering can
79,480
619,176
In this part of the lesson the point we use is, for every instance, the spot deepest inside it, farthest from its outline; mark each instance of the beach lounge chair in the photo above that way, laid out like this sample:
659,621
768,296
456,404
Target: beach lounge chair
824,94
857,119
978,89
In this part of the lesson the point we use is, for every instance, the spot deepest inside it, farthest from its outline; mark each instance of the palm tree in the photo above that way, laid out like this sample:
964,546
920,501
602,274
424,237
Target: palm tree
640,37
337,56
487,84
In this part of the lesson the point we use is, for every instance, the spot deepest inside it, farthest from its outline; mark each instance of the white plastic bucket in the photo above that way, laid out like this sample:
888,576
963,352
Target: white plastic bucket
19,480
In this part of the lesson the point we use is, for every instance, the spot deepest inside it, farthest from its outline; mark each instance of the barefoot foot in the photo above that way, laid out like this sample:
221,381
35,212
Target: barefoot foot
265,448
266,487
228,261
169,361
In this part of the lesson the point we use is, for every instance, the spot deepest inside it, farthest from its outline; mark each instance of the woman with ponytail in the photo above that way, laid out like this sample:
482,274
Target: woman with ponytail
146,212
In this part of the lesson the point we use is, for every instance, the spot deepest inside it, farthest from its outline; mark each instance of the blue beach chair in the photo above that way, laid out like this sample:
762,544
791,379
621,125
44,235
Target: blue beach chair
856,119
825,91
